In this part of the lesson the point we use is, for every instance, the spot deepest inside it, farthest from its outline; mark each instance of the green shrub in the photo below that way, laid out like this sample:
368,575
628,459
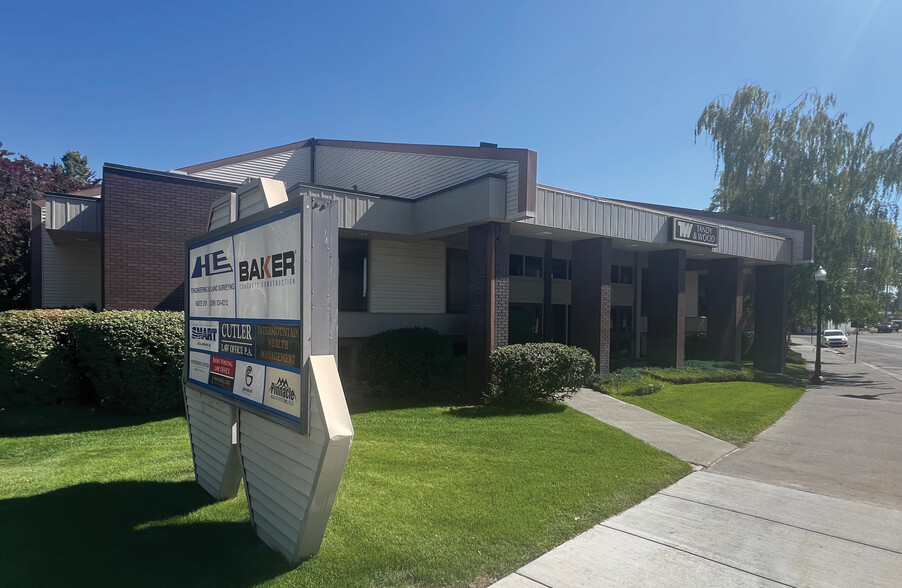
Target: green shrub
626,382
36,357
537,372
695,371
404,361
696,346
133,358
748,341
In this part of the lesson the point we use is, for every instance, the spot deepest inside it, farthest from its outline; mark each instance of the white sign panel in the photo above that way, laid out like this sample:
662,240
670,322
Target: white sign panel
268,270
212,280
244,317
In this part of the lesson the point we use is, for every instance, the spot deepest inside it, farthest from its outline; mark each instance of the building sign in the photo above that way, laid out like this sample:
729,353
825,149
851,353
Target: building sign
690,231
244,318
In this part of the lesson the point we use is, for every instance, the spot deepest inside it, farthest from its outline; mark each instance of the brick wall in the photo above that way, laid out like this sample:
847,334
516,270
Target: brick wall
487,300
590,305
724,297
771,318
147,217
666,307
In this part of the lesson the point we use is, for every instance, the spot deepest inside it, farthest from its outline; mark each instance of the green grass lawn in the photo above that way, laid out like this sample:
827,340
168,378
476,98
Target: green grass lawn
732,411
431,496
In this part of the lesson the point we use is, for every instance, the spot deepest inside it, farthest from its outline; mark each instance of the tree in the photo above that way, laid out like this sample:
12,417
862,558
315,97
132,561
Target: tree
23,181
802,163
75,166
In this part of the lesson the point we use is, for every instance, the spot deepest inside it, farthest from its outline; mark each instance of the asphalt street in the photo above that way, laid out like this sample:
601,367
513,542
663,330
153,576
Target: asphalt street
879,350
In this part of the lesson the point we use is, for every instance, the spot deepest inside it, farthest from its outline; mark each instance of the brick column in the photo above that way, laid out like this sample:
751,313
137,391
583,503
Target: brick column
771,318
547,308
724,309
590,300
488,298
666,307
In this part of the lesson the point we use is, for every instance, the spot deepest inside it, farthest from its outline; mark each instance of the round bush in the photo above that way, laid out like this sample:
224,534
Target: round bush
404,361
537,372
133,358
36,357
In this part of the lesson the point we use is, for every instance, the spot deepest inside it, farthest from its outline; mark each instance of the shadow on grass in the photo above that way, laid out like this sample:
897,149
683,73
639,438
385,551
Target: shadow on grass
92,535
57,419
497,410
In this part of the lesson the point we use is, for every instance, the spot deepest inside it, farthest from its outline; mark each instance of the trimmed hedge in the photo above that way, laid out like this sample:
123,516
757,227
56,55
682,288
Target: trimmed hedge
537,372
133,358
405,361
36,359
129,361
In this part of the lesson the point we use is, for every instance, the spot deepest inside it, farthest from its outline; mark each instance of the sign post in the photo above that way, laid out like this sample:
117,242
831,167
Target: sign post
262,393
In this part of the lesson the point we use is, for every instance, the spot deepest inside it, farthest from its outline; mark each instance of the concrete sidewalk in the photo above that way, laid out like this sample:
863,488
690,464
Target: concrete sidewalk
816,500
676,439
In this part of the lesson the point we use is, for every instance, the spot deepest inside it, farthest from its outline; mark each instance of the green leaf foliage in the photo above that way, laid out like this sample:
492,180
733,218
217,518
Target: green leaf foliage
802,163
537,372
36,356
405,361
133,359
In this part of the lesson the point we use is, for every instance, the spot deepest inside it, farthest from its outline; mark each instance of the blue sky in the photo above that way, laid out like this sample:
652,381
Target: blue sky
607,93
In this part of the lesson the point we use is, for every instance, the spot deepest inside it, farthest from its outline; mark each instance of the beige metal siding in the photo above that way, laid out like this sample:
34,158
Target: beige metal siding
71,273
279,474
477,202
406,175
289,166
586,214
73,214
210,430
407,277
527,290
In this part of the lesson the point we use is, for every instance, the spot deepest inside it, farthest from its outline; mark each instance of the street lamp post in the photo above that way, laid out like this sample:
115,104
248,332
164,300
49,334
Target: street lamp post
820,276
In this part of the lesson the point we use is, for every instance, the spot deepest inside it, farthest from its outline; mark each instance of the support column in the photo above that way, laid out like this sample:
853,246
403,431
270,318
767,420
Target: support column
666,307
547,308
771,318
724,309
488,298
590,303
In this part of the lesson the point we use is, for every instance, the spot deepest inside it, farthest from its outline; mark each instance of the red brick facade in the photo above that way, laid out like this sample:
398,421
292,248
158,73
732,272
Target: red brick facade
488,298
667,307
147,217
591,299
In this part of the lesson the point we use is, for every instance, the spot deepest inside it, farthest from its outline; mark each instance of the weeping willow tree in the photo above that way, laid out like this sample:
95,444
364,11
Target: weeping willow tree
803,163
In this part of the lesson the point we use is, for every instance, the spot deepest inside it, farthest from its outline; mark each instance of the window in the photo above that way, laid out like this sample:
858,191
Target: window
644,294
621,274
456,278
526,265
533,267
352,278
516,265
560,269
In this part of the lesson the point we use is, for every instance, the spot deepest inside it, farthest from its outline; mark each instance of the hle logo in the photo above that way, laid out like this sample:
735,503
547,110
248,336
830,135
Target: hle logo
211,264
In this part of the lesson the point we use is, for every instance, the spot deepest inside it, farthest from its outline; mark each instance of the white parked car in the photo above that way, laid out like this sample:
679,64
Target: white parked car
834,338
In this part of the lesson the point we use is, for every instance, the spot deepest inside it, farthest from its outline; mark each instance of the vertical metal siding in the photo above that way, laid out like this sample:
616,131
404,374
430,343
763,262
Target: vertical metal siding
611,219
289,166
407,277
407,175
73,214
71,273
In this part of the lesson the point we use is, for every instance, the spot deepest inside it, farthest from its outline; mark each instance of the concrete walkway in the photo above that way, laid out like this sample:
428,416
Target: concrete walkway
679,440
816,500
